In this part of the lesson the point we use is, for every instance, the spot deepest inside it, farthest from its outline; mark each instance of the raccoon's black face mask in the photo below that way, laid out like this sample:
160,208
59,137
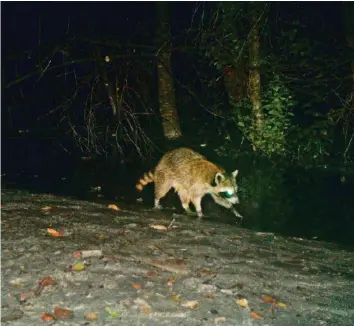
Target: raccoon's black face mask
225,186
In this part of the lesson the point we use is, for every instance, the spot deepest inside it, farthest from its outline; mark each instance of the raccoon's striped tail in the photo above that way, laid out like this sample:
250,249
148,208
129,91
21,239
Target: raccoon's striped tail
144,180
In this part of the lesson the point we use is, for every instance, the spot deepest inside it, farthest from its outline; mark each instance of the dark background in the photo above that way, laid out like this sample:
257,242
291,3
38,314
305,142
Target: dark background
40,153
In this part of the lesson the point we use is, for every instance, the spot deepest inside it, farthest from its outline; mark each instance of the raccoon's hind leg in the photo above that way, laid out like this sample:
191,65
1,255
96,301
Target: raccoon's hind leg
183,196
161,189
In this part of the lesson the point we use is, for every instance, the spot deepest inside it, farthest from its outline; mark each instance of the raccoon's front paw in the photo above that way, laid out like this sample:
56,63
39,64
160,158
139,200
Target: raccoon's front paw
237,214
158,207
200,214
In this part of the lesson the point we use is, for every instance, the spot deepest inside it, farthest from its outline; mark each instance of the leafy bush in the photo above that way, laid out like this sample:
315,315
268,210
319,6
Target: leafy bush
276,105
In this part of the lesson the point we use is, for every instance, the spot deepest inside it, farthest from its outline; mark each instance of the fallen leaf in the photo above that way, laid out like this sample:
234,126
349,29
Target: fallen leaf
114,207
150,273
136,286
242,302
78,267
47,317
255,315
77,254
91,316
46,208
190,304
100,236
60,313
171,281
24,296
145,309
175,298
55,233
43,283
280,305
267,298
159,227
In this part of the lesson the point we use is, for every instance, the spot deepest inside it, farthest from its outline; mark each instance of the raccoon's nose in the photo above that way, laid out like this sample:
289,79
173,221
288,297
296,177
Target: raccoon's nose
237,200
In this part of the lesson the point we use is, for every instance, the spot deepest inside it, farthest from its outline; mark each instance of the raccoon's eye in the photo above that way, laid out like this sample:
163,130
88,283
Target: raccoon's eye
226,194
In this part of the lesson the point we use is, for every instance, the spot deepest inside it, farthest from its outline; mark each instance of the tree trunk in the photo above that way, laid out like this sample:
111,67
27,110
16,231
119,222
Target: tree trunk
255,73
167,101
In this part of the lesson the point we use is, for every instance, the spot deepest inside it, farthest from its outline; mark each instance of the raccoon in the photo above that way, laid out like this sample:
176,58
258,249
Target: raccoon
192,176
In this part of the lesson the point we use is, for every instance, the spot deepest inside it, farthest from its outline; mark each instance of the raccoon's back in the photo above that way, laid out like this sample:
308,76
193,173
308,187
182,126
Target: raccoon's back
186,167
180,156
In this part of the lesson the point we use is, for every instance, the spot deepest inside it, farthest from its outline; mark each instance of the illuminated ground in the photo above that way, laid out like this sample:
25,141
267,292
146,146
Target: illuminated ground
194,273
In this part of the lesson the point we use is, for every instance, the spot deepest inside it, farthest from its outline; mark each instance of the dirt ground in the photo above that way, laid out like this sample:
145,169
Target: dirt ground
71,262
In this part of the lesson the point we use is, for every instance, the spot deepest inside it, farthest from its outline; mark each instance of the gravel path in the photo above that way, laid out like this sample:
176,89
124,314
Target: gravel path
129,266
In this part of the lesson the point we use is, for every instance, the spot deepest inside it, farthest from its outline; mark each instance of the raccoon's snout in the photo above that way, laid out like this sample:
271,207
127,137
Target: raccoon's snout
235,200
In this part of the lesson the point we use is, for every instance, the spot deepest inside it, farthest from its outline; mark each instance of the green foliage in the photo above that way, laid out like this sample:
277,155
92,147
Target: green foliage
276,103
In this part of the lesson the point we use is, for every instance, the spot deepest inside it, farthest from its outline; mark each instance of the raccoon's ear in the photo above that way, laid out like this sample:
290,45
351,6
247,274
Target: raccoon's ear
235,173
218,178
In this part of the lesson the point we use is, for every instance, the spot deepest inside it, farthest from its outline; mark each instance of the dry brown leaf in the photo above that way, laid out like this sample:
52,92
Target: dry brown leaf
47,317
256,315
159,227
43,283
268,299
136,286
46,208
91,316
55,233
60,313
151,273
24,296
192,304
145,309
114,207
